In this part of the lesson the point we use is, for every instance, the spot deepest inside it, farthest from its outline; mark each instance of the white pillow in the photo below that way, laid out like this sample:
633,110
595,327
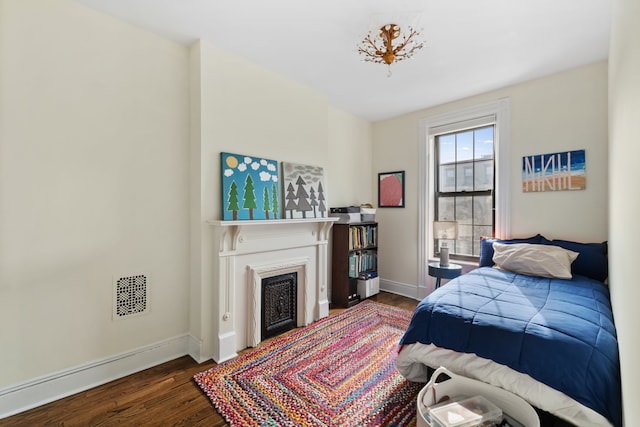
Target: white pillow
534,260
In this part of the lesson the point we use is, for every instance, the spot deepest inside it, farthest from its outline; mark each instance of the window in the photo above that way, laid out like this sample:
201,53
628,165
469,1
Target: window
463,172
476,190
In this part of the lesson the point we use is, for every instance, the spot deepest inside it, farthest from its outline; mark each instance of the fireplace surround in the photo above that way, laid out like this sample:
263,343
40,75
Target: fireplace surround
244,253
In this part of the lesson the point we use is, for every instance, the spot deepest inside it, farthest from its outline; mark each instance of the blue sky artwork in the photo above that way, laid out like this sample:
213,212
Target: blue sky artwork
249,187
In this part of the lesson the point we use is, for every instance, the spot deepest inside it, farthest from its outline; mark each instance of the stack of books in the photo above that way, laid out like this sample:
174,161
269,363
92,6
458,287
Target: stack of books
363,262
362,236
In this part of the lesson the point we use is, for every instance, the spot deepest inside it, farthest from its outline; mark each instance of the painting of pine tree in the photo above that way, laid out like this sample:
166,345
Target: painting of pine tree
249,187
266,203
233,200
274,201
304,194
290,204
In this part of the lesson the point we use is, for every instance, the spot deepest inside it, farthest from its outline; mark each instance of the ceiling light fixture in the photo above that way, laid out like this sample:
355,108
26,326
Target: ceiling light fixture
390,45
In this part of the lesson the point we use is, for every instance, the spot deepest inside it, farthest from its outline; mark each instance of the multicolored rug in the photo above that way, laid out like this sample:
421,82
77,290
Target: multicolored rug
338,371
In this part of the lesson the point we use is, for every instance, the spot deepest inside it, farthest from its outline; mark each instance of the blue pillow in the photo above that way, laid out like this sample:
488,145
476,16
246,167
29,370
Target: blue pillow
486,247
593,260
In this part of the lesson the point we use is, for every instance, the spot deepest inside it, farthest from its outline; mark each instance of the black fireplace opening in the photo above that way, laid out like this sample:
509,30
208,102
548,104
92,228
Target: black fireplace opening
279,304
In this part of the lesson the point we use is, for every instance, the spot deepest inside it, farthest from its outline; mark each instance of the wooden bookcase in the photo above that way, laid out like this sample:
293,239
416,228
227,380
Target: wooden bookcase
354,255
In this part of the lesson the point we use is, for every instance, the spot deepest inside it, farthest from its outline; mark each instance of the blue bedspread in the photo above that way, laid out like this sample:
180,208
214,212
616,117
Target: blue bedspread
560,332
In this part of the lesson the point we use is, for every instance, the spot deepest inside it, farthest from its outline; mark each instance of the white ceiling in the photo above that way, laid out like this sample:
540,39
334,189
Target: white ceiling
472,46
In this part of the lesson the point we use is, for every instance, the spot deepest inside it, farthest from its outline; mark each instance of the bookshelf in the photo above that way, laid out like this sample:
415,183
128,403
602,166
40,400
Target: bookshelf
354,257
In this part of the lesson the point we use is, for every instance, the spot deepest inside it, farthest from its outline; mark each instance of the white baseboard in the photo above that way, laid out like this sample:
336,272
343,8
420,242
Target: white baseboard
48,388
195,350
45,389
406,290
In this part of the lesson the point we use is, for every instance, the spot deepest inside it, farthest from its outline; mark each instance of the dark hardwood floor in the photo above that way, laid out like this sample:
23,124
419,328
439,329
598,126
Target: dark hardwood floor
163,395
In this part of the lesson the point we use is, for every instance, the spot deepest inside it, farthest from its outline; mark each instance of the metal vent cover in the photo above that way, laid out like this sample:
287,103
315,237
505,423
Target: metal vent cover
130,296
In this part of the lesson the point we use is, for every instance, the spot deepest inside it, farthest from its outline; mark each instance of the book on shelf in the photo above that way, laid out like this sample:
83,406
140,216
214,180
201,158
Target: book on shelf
362,236
364,261
353,265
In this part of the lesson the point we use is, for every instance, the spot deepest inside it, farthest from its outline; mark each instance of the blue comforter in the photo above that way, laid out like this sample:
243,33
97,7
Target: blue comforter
560,332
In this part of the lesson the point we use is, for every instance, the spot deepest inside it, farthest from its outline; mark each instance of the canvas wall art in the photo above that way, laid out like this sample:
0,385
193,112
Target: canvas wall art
554,172
249,187
391,189
304,194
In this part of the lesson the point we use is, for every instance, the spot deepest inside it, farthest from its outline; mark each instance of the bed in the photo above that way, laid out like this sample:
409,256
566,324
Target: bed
548,337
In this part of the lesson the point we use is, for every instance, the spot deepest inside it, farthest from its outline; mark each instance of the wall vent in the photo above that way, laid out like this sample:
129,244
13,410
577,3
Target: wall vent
130,296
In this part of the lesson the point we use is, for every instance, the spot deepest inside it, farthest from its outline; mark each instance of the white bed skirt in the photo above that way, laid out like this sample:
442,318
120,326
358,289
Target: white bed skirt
413,360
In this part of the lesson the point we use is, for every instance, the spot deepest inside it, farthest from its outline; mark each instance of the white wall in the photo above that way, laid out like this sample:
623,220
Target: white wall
350,160
624,205
247,110
93,183
565,111
109,165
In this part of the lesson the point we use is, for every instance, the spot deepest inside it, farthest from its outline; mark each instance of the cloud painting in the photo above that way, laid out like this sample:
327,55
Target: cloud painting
249,187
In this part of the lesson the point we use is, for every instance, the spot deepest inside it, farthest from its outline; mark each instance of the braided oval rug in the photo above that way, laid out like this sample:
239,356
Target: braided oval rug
338,371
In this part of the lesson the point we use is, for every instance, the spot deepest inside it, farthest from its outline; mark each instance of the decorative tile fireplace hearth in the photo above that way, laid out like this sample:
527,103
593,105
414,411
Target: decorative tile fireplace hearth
247,252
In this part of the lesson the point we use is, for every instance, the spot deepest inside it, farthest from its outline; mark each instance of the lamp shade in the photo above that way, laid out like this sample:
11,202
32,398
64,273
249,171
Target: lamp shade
445,230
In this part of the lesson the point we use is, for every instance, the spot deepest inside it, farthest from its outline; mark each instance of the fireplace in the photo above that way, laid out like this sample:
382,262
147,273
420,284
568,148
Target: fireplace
261,273
279,305
244,254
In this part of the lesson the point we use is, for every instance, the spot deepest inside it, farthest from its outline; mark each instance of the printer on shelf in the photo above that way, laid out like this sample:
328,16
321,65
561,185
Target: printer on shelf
346,215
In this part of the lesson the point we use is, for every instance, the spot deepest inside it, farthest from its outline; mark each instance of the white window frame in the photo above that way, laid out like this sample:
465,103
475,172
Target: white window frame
498,112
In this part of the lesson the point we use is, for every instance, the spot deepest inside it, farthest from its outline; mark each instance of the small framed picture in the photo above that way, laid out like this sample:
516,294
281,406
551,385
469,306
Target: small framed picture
391,189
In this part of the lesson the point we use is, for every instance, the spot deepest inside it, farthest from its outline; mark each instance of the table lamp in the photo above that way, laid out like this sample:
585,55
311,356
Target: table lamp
445,230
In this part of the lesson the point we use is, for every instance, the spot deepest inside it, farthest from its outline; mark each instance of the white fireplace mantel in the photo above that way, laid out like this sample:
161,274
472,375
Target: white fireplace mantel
240,248
235,232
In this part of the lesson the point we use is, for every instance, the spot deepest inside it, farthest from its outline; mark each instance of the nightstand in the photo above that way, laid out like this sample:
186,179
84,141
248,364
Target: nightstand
440,272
